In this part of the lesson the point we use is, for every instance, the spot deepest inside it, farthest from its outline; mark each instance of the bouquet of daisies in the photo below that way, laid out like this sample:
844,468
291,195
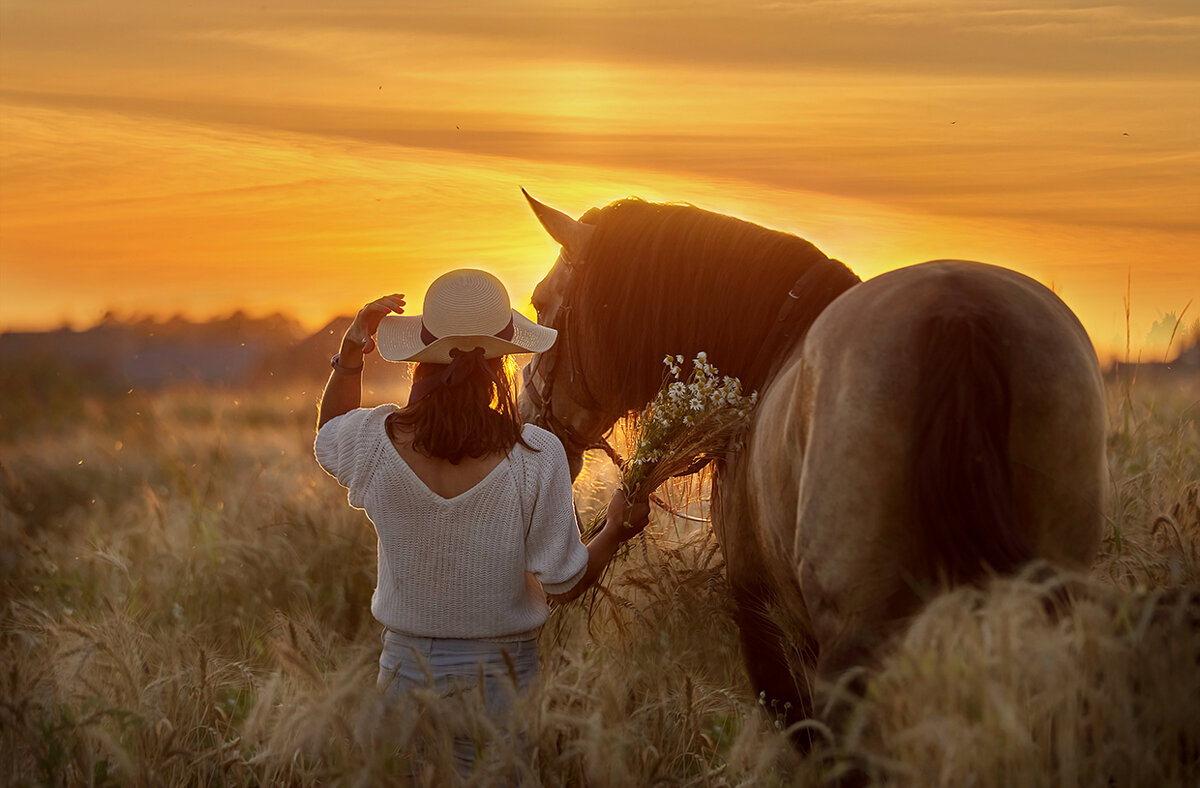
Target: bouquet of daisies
687,422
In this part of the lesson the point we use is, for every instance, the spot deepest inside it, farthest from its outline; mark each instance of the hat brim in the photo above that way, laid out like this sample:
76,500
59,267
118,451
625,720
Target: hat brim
399,339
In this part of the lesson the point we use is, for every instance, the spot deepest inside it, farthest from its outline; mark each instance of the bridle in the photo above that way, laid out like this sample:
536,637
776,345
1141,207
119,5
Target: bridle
544,411
542,399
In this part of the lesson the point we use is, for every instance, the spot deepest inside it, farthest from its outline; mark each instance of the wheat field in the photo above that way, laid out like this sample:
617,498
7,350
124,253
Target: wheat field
186,602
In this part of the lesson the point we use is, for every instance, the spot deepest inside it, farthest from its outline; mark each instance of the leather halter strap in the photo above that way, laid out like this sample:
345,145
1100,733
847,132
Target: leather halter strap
816,289
544,413
543,400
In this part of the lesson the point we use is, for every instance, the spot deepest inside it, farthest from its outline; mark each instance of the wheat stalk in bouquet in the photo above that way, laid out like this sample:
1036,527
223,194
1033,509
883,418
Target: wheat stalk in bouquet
687,422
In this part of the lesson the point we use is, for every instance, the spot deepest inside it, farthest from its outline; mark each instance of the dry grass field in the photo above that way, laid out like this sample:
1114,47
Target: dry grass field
185,601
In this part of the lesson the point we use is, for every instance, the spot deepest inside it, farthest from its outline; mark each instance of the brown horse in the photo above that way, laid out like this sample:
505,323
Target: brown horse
935,425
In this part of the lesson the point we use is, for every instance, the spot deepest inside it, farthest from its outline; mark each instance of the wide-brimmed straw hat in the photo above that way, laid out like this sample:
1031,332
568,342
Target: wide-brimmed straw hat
463,310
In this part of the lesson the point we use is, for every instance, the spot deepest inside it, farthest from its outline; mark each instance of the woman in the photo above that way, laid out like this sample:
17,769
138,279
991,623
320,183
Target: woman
473,510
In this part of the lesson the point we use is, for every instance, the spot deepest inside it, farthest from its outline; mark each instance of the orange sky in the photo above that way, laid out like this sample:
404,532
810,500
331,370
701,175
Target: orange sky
163,157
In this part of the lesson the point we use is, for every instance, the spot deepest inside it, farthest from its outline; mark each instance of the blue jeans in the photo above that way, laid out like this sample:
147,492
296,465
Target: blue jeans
448,665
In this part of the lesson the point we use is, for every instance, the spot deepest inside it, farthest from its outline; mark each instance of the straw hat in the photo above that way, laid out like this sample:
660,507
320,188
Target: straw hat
463,309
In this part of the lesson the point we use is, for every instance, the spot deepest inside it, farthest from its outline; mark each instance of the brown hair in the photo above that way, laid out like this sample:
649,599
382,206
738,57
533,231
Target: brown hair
472,419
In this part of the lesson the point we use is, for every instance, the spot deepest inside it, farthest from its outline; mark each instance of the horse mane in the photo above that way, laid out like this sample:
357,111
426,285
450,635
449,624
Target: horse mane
663,278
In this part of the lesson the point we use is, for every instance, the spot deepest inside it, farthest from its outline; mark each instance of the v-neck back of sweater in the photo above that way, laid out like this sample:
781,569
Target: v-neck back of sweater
457,567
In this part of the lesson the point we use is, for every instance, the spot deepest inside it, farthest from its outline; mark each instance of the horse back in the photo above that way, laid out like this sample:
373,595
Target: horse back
937,423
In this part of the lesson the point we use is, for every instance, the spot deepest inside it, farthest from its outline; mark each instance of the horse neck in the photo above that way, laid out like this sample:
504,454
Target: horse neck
815,290
624,374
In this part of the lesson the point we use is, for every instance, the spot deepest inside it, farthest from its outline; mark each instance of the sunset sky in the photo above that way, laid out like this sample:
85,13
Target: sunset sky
164,157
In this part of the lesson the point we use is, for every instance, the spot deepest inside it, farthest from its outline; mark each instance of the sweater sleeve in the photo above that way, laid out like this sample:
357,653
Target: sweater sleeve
343,450
554,552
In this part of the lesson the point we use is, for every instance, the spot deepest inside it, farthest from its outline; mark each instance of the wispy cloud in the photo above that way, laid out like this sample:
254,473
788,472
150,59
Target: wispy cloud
1156,37
137,130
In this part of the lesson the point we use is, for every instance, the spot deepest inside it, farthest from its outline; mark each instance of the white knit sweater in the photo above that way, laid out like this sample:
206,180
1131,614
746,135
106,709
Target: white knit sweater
456,567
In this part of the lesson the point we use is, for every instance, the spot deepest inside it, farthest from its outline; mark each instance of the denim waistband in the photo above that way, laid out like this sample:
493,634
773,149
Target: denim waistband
422,640
422,644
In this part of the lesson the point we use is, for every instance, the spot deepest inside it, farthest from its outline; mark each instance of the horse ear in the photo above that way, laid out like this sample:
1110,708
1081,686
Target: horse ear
571,234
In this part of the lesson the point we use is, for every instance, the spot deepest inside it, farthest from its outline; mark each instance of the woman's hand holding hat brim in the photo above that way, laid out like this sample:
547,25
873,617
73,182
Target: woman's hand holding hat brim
366,323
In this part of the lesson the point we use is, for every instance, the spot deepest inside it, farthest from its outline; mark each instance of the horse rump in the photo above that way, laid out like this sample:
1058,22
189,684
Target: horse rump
962,502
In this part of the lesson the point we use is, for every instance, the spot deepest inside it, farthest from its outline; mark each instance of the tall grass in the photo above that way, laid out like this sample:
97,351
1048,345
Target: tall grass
186,601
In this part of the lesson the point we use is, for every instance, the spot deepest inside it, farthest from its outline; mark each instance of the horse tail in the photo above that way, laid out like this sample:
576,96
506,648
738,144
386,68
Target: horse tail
962,491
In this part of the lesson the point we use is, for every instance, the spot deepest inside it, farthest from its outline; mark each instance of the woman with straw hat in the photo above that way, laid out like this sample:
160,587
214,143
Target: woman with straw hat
473,510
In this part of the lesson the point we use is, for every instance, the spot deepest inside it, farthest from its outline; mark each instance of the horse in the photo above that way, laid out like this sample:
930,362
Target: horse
936,425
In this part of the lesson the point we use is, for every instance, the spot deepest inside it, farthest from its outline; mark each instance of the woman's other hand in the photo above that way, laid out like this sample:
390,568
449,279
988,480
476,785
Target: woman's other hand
625,521
361,333
629,518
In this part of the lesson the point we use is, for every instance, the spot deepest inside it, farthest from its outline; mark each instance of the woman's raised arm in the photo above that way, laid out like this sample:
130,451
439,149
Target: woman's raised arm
343,390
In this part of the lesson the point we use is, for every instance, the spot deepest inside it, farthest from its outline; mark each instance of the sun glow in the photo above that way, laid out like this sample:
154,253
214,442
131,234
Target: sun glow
304,159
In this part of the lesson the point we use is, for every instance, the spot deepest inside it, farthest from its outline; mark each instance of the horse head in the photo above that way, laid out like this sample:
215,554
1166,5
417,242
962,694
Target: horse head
555,395
636,281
